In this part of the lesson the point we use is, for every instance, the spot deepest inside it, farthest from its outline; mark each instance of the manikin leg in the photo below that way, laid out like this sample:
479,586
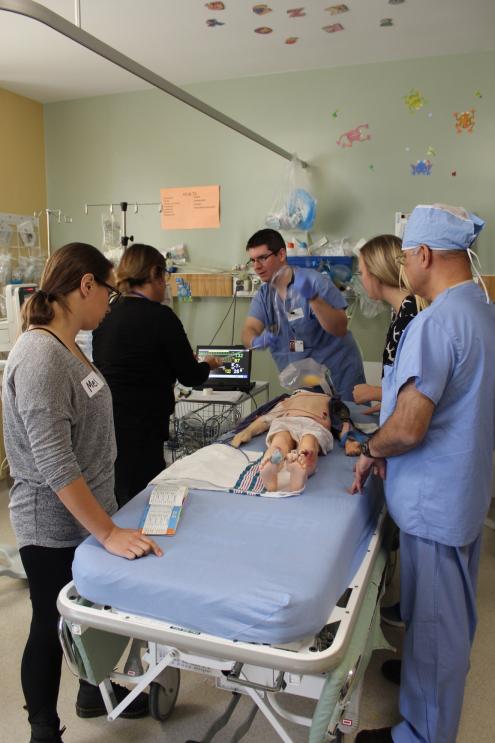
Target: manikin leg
302,463
274,458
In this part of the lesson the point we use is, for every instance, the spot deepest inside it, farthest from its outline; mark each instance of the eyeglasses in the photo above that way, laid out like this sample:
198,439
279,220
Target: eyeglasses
261,258
113,293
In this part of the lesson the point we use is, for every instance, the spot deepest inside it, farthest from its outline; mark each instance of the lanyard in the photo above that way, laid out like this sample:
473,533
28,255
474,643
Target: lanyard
135,293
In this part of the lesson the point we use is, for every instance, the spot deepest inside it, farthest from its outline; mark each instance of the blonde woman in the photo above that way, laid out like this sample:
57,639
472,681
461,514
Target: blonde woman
382,277
380,265
142,349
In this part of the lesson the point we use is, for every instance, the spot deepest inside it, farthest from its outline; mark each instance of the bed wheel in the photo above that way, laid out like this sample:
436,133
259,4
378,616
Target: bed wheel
163,694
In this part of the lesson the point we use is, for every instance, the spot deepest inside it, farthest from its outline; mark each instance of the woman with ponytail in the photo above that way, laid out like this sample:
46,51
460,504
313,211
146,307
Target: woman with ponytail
60,444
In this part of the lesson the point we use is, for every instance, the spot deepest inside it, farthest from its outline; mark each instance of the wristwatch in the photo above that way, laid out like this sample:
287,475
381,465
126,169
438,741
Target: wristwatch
365,449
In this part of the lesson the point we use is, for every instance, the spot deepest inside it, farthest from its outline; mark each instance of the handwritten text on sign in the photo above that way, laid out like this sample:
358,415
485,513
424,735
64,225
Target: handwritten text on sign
190,208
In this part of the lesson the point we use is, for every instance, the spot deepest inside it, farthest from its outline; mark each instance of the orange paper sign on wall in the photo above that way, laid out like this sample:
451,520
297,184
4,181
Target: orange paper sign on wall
190,208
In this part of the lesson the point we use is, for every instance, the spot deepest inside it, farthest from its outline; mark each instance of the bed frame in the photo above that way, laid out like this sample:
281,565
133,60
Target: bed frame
94,637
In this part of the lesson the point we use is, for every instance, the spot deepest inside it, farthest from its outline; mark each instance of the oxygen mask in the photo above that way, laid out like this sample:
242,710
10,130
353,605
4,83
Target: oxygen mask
307,373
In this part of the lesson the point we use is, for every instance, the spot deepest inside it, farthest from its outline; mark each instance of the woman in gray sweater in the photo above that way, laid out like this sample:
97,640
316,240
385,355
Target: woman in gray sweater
60,444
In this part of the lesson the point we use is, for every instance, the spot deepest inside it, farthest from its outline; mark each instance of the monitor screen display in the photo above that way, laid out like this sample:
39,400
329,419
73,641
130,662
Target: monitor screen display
236,362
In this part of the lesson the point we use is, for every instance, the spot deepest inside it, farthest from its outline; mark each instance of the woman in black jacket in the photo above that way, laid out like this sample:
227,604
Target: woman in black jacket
142,350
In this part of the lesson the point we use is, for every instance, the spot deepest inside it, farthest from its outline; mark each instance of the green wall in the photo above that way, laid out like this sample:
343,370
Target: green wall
127,147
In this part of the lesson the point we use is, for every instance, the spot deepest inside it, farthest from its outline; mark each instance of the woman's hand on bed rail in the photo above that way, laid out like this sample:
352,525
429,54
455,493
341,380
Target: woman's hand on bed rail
365,466
130,543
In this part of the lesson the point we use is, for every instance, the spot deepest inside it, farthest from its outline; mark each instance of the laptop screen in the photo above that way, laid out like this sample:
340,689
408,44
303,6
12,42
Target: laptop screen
236,368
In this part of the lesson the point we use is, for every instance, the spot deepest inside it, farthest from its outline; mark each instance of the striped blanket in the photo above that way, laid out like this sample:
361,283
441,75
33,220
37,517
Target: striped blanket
220,467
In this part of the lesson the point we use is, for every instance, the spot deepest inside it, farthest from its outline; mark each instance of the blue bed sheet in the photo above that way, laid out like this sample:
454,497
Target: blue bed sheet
243,567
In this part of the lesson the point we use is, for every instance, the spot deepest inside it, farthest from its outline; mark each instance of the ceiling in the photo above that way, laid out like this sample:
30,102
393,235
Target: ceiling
187,41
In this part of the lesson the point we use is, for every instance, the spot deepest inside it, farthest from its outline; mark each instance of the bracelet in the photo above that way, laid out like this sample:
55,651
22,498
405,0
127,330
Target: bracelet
365,449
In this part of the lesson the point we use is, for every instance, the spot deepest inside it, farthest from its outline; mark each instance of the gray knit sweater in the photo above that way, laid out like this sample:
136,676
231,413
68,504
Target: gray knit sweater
54,432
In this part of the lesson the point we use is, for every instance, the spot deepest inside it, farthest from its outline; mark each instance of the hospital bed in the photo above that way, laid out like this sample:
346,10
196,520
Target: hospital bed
270,597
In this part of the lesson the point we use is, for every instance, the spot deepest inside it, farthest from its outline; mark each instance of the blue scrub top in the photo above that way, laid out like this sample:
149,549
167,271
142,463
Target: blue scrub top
340,355
441,490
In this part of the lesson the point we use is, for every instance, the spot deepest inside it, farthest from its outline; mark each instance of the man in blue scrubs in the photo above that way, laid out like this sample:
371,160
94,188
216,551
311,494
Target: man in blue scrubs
310,324
436,439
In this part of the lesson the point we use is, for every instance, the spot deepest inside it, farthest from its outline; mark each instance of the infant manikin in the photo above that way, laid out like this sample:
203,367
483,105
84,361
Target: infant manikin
298,430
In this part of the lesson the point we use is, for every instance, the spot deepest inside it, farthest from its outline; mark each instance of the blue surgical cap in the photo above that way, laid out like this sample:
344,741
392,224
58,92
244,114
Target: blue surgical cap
441,227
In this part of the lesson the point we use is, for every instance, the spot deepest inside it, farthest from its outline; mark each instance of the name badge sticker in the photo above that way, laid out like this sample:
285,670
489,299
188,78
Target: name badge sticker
92,384
296,345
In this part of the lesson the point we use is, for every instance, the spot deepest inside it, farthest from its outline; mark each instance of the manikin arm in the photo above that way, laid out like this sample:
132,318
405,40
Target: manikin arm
259,425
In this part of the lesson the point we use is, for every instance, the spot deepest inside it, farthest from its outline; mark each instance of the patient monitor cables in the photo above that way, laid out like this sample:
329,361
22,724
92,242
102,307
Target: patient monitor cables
233,317
253,399
232,304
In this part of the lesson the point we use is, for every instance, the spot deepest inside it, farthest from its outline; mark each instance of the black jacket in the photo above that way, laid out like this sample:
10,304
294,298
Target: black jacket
142,349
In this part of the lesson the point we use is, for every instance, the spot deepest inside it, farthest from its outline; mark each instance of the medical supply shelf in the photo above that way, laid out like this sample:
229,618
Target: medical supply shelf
200,419
204,284
315,261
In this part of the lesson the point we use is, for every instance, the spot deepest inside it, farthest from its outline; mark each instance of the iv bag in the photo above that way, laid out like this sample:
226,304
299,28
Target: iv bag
111,232
294,207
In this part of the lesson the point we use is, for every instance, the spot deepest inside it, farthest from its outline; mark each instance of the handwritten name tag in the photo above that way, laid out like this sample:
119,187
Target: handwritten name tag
92,384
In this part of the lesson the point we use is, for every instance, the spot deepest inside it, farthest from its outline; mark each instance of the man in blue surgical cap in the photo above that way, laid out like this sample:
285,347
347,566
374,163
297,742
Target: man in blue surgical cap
436,439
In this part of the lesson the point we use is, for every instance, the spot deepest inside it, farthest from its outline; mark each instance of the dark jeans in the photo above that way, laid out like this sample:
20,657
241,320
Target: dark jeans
48,570
139,459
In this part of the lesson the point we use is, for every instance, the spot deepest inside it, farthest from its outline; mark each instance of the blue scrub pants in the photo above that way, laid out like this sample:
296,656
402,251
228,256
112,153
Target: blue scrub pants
438,605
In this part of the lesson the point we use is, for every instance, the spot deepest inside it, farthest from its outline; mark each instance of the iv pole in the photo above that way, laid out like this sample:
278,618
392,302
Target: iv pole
60,218
124,238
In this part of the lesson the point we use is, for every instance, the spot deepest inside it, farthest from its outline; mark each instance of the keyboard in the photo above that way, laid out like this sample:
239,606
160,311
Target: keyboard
227,387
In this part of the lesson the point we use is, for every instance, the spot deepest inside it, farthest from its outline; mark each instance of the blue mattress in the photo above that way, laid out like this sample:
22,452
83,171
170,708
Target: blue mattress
243,567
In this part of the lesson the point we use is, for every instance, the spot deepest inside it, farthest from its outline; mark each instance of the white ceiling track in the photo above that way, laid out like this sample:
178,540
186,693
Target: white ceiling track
40,13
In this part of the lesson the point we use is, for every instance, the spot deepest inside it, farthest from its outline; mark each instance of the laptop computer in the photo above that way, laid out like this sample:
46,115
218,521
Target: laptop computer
235,374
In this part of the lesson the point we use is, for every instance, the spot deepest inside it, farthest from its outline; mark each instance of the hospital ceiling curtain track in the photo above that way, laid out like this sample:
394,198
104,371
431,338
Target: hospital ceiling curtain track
38,12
